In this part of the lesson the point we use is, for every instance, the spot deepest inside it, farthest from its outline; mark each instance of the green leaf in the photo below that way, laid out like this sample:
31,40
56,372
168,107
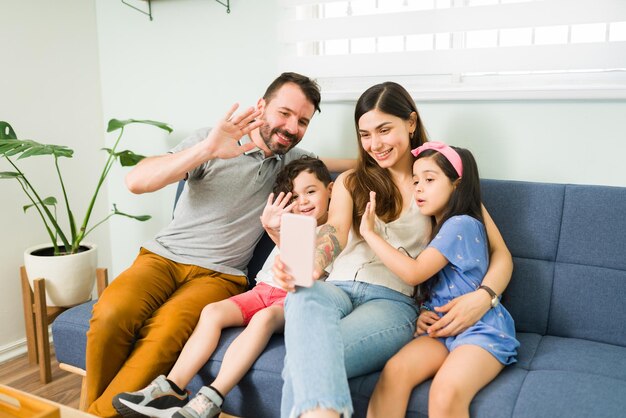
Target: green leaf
10,147
6,131
28,148
141,218
9,175
127,157
115,124
50,201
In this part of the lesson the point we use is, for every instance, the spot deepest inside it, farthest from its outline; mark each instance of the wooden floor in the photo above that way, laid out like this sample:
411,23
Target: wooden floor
64,388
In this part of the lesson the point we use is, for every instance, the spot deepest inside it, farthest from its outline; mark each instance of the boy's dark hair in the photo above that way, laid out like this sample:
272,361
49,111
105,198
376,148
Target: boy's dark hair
308,86
286,176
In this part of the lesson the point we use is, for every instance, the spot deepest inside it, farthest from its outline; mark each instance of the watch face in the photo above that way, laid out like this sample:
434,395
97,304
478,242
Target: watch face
495,302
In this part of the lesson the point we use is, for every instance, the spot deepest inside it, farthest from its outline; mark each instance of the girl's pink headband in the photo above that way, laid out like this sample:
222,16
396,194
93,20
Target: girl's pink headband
445,150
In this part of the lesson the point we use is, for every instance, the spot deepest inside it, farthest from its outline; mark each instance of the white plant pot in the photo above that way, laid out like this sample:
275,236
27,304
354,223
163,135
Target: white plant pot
69,278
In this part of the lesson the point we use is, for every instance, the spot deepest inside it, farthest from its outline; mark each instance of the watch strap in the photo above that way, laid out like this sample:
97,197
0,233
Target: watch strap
492,294
489,290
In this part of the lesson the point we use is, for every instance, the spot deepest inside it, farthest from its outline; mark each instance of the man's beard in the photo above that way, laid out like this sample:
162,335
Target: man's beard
274,146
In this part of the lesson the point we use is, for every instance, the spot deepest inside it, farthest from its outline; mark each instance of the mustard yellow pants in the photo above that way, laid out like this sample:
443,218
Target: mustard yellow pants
142,321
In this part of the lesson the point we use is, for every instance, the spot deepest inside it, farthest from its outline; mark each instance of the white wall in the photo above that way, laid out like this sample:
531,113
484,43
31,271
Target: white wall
580,142
50,92
186,68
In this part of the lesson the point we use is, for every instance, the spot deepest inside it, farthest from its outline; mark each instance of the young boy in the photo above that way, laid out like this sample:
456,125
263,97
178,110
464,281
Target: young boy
302,187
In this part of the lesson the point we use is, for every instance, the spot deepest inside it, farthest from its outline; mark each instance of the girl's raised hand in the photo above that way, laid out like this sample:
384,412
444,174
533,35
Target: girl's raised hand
274,209
222,141
281,278
368,220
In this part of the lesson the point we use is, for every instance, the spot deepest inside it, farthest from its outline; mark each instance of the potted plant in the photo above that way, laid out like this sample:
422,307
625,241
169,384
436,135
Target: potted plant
66,262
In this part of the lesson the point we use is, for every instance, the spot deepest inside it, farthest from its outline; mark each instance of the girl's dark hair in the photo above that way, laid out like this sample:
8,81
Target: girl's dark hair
393,99
465,198
308,86
286,176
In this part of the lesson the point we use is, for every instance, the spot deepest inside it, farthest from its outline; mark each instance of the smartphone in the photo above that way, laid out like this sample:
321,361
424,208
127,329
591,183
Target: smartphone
297,247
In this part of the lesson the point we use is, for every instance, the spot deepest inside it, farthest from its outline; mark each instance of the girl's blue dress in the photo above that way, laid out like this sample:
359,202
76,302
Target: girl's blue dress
462,240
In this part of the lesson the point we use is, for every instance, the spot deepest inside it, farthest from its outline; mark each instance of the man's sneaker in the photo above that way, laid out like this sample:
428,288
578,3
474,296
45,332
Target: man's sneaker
158,399
203,405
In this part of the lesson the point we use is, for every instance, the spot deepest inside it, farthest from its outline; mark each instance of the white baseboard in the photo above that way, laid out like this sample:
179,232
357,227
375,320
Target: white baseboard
15,349
12,350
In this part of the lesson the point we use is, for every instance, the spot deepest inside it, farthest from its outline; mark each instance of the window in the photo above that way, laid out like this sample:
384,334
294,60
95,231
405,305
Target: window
460,49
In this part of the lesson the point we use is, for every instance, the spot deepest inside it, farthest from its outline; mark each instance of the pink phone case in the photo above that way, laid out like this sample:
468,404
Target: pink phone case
297,247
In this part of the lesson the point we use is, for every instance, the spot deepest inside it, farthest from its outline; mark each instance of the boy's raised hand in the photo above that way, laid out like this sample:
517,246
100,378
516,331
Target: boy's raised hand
368,219
274,209
222,143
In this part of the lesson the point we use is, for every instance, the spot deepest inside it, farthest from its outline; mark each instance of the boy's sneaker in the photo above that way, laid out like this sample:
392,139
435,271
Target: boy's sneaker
204,405
158,399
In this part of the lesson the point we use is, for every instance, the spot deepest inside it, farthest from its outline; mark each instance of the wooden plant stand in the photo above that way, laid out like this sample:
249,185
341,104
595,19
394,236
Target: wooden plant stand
38,316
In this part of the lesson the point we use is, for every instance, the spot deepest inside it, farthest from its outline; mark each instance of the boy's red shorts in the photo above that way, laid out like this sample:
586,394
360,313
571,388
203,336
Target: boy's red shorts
259,297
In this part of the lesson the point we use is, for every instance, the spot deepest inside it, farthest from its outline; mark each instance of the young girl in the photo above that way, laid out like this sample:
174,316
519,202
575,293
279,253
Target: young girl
447,189
308,185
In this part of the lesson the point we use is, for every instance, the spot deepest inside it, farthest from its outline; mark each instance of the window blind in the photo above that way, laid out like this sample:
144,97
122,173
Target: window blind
460,49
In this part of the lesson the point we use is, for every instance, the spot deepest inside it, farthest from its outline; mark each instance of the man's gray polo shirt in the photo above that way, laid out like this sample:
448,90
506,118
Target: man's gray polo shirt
216,222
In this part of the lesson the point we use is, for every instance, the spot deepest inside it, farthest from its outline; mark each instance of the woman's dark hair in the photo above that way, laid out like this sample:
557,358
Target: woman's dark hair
286,176
465,198
393,99
308,86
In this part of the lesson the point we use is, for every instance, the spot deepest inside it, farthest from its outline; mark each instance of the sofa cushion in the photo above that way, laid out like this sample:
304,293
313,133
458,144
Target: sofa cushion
528,215
529,343
590,276
587,302
262,385
593,233
580,356
528,295
494,401
554,393
69,329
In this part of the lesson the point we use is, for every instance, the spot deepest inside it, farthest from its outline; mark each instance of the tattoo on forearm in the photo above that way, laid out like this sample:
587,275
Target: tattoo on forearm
328,247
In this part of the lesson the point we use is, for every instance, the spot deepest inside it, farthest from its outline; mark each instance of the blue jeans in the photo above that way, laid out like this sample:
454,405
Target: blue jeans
335,331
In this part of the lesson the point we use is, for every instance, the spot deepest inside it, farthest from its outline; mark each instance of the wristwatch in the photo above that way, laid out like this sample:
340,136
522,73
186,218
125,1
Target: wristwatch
494,297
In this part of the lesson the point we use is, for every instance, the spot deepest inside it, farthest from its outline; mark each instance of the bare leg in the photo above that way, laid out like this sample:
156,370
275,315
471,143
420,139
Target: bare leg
414,363
467,369
213,319
247,347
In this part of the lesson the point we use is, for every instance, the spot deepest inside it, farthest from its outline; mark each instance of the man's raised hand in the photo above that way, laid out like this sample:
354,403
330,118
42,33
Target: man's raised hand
222,141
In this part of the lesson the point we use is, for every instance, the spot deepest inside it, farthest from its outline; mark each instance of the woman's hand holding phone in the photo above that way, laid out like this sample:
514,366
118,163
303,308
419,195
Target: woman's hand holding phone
281,277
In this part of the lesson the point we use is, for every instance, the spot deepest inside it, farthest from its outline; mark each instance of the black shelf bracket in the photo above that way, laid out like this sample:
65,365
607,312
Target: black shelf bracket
227,5
148,13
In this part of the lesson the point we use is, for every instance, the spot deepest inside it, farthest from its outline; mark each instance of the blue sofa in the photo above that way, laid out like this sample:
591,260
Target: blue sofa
567,296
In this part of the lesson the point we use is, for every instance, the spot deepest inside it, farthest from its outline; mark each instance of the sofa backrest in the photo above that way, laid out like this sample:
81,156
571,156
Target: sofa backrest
569,250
